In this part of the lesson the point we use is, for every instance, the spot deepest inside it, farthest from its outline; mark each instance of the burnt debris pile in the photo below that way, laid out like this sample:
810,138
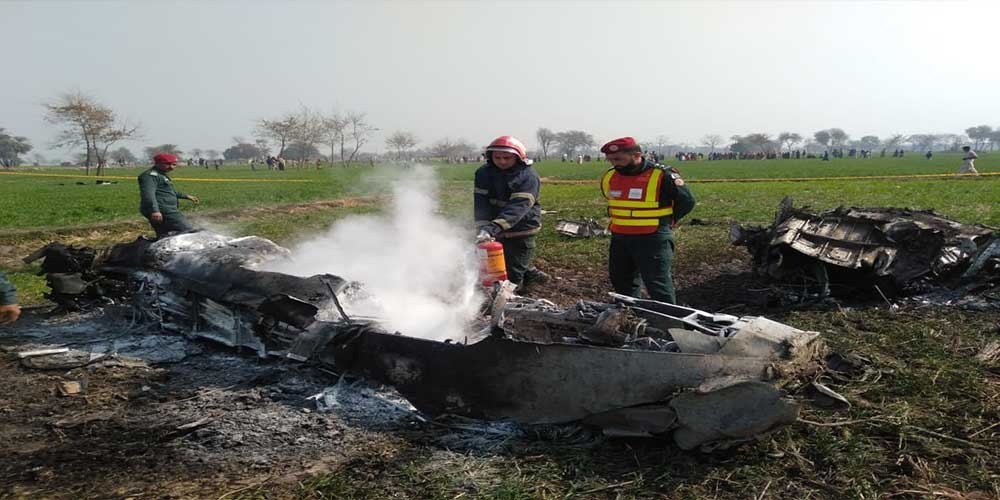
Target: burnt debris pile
629,366
878,253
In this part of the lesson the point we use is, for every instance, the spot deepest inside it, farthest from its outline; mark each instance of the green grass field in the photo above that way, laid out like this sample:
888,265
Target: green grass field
39,202
925,382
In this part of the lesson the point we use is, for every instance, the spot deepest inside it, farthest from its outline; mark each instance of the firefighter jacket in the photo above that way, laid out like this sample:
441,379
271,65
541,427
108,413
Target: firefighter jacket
506,201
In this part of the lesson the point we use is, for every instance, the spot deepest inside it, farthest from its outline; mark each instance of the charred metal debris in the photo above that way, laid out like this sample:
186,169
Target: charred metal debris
881,253
630,366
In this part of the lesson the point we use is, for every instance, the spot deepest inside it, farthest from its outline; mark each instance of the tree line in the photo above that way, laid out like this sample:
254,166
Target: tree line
96,131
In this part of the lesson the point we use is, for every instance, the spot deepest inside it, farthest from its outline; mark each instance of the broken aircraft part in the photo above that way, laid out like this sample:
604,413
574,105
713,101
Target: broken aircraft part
885,252
581,228
630,366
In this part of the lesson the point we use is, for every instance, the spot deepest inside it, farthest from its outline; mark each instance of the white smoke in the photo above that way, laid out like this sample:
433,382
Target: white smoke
419,268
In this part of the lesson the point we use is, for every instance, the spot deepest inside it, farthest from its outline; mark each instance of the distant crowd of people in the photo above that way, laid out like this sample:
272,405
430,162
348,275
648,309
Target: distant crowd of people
201,162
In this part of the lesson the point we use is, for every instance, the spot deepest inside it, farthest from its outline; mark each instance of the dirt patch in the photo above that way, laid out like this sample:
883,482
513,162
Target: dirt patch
163,414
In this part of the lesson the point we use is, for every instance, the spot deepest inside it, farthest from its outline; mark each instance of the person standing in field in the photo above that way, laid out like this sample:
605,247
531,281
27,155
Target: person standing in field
968,161
645,200
158,197
505,202
9,310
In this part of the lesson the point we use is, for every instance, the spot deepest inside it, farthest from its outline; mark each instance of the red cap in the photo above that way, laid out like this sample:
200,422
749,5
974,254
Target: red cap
626,144
165,158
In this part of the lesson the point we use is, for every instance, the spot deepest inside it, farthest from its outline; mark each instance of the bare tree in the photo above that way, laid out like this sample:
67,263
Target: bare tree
953,142
711,140
196,153
11,147
334,128
123,156
358,131
88,123
894,141
924,142
446,148
265,147
572,140
661,142
760,140
152,151
838,138
310,131
281,130
212,154
546,140
401,142
980,135
443,148
822,138
869,142
789,139
995,138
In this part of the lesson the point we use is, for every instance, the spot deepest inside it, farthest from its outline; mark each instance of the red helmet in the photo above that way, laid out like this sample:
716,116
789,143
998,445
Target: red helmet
508,144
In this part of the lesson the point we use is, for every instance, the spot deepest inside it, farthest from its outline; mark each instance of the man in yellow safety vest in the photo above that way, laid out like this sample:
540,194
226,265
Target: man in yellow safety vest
645,200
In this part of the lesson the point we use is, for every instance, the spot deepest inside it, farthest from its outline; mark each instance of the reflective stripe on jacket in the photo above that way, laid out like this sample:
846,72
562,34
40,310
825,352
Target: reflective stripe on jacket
634,201
509,199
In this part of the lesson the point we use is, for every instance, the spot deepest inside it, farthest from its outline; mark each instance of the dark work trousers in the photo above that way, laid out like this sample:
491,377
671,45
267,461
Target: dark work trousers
172,223
517,253
648,256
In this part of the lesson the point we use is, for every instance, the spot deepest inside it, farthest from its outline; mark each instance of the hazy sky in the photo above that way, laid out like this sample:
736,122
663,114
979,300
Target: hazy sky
198,73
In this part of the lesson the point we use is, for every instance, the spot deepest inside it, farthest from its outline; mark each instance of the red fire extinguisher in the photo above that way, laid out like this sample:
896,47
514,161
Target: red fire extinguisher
492,267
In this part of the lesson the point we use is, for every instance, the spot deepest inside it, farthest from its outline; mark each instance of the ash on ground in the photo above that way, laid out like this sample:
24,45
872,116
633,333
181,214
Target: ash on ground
149,398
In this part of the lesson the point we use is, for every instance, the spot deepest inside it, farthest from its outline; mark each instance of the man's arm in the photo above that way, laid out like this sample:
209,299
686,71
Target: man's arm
675,188
481,209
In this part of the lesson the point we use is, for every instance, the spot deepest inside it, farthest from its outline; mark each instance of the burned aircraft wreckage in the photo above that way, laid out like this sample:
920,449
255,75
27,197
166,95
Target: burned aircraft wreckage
884,253
631,367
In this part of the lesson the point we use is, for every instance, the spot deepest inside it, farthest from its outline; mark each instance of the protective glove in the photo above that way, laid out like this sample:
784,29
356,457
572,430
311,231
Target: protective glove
487,233
483,236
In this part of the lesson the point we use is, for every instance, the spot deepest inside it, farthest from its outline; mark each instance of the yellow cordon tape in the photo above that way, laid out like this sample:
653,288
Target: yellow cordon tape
118,177
564,181
798,179
849,178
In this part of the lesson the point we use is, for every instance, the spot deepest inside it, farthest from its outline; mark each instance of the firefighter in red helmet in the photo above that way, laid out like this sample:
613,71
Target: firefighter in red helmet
506,207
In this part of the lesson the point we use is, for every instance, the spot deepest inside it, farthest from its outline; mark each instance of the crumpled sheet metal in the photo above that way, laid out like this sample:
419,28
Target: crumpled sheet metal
626,391
499,378
860,248
730,415
581,228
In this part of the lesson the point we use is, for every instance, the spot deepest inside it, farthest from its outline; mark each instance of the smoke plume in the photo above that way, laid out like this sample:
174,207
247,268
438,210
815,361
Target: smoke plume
419,269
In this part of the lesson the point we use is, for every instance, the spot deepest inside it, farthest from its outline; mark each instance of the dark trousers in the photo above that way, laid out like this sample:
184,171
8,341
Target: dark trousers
172,223
517,253
648,256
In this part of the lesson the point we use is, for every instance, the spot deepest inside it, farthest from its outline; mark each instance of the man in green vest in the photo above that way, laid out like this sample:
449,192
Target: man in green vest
158,198
9,310
645,199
